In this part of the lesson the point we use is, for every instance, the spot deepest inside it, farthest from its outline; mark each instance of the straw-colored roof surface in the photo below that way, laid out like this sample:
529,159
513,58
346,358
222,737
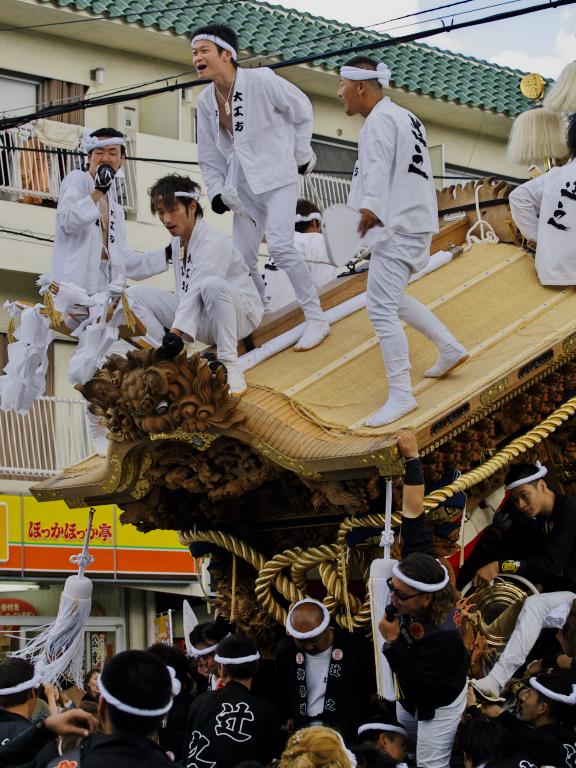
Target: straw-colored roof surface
490,298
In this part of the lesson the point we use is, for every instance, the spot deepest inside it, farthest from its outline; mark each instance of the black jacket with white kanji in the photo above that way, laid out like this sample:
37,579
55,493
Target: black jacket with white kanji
228,726
11,725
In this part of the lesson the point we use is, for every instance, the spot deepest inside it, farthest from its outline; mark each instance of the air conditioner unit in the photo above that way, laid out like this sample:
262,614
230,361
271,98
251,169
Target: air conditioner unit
124,117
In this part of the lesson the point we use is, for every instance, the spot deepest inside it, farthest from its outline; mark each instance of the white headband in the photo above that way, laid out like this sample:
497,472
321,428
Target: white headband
562,697
192,195
381,73
382,727
313,632
176,684
542,472
311,217
421,585
93,142
107,696
32,682
236,660
217,41
197,652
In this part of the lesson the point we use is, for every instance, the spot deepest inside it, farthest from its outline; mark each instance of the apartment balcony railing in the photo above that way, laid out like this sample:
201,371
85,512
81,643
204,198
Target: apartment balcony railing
32,171
52,435
324,190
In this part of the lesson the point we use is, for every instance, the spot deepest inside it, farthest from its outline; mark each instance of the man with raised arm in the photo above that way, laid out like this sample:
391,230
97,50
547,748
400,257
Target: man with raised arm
254,133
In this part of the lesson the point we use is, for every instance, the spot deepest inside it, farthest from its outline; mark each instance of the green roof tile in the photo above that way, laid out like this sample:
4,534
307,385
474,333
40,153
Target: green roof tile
267,29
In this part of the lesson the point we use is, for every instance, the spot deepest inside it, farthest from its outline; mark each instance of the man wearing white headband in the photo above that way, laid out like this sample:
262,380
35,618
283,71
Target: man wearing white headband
90,246
384,732
309,240
18,686
202,645
215,302
542,549
325,674
544,727
254,134
232,724
423,644
393,188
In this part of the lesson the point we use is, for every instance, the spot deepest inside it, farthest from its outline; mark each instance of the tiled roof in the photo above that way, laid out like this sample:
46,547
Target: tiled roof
271,29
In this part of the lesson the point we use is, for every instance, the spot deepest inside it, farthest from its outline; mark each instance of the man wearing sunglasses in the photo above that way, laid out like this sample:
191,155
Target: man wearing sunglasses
423,644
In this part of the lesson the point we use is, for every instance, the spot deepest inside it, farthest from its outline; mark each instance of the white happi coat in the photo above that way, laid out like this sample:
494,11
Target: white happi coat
545,210
272,130
393,175
78,243
210,254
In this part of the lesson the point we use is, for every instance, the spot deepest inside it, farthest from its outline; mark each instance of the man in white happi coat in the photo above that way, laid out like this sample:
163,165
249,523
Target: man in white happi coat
544,210
90,246
393,188
216,302
254,134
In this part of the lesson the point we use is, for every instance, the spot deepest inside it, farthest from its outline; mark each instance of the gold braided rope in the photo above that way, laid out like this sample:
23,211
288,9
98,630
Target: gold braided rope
329,557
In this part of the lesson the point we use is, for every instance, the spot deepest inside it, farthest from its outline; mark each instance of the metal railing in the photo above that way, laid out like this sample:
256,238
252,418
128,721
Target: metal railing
52,435
32,171
324,190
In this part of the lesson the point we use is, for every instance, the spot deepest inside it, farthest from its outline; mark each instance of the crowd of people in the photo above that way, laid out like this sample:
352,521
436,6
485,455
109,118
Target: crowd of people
313,703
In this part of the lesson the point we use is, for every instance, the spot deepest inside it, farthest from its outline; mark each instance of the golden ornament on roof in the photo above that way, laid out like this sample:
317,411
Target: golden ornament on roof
532,86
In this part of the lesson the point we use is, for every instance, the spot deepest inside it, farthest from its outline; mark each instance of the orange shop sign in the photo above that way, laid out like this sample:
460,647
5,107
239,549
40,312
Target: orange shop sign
39,537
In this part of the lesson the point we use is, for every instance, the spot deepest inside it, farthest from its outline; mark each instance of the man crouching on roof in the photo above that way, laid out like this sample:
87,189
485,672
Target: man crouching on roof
216,301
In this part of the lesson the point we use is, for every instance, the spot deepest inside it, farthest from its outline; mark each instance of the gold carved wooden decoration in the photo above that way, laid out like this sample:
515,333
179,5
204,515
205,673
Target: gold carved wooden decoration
142,395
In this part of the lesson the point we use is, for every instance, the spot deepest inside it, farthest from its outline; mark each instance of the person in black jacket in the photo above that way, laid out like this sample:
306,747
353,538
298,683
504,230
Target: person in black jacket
485,744
135,696
544,727
423,644
230,725
551,563
171,736
325,674
18,686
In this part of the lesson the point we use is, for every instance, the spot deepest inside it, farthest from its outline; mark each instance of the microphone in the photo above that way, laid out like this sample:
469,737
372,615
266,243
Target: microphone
390,612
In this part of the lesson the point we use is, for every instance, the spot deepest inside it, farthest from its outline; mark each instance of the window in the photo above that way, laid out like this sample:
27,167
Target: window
333,157
18,95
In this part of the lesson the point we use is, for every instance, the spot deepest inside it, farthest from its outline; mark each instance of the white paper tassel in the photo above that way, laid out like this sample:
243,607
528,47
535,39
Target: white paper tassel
536,135
380,571
561,98
59,649
190,620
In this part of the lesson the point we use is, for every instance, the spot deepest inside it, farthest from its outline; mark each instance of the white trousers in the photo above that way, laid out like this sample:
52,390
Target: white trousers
392,263
434,738
274,213
538,612
222,318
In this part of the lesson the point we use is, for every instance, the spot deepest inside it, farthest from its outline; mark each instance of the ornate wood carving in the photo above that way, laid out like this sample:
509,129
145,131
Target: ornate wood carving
142,394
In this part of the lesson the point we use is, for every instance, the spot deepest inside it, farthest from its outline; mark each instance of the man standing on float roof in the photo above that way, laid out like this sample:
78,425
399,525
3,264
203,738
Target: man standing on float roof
254,134
393,188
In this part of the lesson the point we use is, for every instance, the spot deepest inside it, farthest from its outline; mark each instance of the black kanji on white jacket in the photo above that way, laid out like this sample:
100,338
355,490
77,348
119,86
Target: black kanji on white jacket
228,726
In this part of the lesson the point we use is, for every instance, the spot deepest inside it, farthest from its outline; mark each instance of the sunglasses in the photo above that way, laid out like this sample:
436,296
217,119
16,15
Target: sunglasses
402,596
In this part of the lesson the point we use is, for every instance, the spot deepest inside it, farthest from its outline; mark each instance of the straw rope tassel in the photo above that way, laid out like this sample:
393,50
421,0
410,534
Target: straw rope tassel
233,597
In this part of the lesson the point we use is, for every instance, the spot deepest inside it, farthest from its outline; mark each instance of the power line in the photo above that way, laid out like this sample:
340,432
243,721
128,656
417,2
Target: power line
337,53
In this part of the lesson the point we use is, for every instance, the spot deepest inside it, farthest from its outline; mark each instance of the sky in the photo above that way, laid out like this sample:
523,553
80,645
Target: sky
542,42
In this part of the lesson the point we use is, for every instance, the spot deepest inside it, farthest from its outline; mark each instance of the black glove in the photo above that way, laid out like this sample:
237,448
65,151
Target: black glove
218,206
172,345
104,177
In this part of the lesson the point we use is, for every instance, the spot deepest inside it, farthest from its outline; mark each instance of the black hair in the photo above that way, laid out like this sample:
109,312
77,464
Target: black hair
362,61
571,135
370,756
236,646
12,673
165,188
175,658
483,740
559,681
372,736
87,677
139,679
305,208
109,133
519,471
210,632
219,30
